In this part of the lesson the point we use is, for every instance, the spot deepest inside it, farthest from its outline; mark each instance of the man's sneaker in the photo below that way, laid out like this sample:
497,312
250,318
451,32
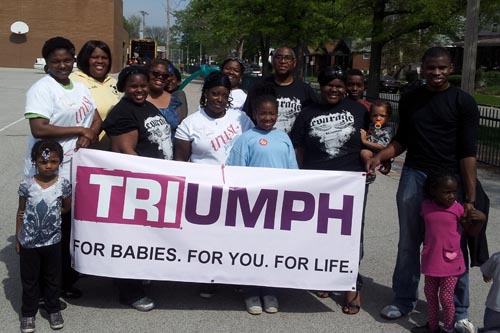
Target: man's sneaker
391,312
464,326
270,303
253,305
144,304
27,324
207,291
56,320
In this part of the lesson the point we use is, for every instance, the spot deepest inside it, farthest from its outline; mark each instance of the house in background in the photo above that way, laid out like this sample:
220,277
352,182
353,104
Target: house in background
488,51
338,53
79,21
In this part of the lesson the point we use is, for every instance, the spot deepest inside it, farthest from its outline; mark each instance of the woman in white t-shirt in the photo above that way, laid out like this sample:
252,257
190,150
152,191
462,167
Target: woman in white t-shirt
208,135
63,110
233,68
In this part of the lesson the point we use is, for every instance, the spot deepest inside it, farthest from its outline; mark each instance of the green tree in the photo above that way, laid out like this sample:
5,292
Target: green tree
132,25
156,32
394,20
227,27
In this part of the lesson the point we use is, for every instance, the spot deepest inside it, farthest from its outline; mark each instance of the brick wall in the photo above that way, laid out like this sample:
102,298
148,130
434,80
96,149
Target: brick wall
76,20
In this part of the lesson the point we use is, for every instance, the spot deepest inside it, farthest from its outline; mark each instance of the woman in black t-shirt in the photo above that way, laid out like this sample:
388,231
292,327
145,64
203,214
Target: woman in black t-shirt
136,127
326,136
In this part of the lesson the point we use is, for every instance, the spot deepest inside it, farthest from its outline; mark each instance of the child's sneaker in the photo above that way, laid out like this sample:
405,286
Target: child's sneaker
56,320
270,303
464,326
253,305
27,324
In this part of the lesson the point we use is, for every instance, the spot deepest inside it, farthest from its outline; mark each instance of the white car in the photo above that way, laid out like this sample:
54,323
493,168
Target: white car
40,64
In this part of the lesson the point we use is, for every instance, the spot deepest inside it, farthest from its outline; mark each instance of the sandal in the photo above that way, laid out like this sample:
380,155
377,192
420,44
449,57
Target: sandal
323,294
352,306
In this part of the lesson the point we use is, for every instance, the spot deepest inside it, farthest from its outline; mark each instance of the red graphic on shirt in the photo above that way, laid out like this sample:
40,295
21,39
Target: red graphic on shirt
263,142
221,140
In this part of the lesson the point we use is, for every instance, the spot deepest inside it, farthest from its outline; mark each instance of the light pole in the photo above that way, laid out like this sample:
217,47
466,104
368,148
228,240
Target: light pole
143,13
200,54
168,30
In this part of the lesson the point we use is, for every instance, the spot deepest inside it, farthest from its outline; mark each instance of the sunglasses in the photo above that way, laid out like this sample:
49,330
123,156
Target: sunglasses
160,75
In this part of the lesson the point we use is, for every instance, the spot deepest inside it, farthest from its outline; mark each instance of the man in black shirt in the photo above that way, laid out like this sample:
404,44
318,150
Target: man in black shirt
292,94
438,128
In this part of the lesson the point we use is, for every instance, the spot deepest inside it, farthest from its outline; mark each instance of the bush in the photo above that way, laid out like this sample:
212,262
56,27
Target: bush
491,78
456,80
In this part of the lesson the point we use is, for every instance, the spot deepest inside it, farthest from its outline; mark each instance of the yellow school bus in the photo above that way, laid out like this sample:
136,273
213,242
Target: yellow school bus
142,50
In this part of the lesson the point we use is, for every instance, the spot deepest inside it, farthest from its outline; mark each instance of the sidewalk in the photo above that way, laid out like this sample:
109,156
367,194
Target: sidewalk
179,307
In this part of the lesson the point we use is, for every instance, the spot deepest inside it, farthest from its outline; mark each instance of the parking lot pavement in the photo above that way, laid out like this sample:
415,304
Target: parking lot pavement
179,307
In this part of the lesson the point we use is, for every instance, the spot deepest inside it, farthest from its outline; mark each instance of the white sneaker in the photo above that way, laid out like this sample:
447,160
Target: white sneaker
464,326
270,303
254,306
144,304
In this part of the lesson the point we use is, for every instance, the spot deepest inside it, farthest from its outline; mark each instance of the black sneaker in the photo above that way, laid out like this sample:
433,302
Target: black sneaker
27,324
56,320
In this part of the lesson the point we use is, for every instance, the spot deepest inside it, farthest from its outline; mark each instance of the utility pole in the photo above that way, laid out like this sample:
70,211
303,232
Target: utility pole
470,46
167,47
141,33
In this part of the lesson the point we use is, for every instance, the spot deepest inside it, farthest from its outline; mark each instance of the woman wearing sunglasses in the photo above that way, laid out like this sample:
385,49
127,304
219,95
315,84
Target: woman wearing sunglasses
233,68
169,105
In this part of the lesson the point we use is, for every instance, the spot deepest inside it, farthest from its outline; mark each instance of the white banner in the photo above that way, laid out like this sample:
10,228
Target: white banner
153,219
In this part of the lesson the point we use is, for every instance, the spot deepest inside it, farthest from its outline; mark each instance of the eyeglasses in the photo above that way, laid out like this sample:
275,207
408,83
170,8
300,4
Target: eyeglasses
160,75
284,57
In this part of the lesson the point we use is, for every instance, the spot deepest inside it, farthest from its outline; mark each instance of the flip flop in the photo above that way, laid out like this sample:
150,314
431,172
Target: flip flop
350,308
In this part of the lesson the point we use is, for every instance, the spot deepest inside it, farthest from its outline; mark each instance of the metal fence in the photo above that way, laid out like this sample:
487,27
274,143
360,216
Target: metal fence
488,150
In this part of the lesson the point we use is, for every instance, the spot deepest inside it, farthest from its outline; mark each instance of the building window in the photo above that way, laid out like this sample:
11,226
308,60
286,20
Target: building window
366,56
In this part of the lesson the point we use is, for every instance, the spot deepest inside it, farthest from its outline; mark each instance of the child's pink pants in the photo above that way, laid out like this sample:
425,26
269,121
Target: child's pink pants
445,286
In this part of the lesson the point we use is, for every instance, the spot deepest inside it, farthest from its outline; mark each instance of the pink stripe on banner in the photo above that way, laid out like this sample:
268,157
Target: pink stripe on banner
124,197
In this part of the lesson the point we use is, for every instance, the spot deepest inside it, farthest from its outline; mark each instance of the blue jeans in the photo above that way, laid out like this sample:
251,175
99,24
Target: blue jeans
411,235
491,321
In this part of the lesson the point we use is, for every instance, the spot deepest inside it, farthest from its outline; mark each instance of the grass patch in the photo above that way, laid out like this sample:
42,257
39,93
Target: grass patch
487,99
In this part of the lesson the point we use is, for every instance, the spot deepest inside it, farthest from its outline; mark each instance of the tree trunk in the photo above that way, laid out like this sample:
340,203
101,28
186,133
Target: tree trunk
299,53
241,42
376,48
265,43
470,47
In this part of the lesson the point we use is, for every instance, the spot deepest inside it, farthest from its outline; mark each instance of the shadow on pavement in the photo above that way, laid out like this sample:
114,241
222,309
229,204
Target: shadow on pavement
12,282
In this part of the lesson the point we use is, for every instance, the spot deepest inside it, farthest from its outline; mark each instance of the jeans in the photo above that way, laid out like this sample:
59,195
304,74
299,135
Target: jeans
491,321
406,277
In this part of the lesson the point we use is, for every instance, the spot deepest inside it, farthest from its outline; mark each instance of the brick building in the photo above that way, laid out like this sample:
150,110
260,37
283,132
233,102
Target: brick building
76,20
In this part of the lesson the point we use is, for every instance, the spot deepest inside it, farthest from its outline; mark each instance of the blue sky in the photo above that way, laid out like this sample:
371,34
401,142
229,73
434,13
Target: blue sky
157,10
